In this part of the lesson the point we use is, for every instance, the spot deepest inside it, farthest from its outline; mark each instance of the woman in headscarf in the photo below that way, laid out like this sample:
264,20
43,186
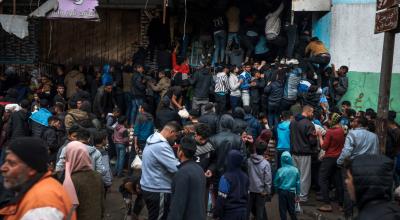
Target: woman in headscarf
82,183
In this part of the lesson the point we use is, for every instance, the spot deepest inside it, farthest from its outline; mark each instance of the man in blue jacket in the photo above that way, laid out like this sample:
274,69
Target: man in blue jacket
283,135
159,164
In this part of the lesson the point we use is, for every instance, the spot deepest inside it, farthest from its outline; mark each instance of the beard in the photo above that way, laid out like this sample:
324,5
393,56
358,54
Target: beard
16,183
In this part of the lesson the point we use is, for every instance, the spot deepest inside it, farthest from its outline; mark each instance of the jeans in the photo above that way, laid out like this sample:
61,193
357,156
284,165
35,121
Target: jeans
322,60
221,103
278,44
327,170
303,163
257,206
286,204
273,115
234,101
199,103
136,103
233,37
291,32
121,151
220,43
245,97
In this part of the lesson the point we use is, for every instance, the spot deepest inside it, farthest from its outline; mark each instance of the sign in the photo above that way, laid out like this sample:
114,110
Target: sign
386,20
311,5
83,9
382,4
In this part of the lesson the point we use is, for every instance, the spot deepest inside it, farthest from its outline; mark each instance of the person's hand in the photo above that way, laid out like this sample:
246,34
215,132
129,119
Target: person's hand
253,84
208,173
241,81
264,194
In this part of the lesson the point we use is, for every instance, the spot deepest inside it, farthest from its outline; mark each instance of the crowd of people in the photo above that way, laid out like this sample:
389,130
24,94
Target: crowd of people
217,140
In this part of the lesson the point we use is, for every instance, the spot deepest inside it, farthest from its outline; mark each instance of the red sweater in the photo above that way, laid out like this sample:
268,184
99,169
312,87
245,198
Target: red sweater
333,142
183,68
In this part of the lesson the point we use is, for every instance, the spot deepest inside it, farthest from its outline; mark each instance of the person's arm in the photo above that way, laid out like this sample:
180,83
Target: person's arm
61,161
167,158
277,180
326,141
347,149
176,103
297,184
267,179
179,199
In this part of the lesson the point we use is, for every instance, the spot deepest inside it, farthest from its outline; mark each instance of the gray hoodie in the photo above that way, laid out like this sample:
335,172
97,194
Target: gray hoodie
260,176
159,165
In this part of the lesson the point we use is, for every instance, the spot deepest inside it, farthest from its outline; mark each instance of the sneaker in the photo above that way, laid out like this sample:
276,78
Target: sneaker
292,62
325,208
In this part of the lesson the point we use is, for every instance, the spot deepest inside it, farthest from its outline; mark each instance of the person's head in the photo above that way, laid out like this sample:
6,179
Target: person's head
343,70
392,115
187,148
359,122
334,119
73,133
100,138
83,136
369,178
161,74
360,114
54,121
72,103
25,104
370,114
77,157
257,74
247,67
139,68
260,147
189,129
60,89
346,105
79,85
171,131
286,115
314,39
60,70
44,103
202,133
234,160
239,112
226,123
308,112
79,104
122,120
116,112
144,108
26,158
108,87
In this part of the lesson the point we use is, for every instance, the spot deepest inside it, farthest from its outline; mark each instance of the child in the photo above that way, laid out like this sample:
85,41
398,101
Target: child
287,181
100,142
121,141
283,135
260,177
144,126
233,189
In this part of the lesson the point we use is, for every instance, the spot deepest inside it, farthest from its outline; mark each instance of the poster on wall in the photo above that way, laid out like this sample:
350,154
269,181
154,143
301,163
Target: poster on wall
81,9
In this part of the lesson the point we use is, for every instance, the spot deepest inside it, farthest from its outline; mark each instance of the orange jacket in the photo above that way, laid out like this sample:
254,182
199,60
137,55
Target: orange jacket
183,68
45,195
315,48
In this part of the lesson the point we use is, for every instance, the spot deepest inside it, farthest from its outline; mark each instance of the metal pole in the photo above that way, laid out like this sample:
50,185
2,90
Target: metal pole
384,88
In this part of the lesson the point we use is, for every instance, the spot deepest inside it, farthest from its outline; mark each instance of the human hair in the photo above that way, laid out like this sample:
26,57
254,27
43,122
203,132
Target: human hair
346,103
52,119
73,103
83,135
116,110
260,147
79,84
44,103
173,125
203,130
60,85
146,107
99,137
286,115
307,108
371,113
188,146
362,121
346,68
73,129
25,104
122,119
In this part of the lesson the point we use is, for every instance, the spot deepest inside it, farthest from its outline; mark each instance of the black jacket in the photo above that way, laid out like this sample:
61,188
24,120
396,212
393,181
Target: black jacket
103,102
211,119
303,141
138,87
275,93
165,115
256,91
19,126
223,142
188,190
202,81
240,124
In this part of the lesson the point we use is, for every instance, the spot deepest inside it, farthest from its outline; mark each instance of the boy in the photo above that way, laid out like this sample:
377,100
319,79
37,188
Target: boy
121,141
260,177
53,136
283,135
100,142
287,181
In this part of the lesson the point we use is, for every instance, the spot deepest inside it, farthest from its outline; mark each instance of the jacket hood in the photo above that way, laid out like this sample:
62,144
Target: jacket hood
78,114
226,122
156,138
299,117
238,112
284,126
372,178
286,159
256,159
234,160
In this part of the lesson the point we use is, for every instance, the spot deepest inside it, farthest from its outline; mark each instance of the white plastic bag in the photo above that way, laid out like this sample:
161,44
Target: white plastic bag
297,207
137,163
183,113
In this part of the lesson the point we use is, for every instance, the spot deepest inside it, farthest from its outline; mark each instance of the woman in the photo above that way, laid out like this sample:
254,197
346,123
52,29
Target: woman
83,185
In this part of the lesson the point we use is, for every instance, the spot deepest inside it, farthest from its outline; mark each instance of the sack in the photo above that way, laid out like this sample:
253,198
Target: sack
183,113
137,163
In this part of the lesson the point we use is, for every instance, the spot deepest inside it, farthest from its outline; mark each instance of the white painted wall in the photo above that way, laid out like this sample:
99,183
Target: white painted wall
353,42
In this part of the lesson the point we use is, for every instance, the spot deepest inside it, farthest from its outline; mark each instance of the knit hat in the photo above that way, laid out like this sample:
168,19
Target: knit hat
335,118
33,151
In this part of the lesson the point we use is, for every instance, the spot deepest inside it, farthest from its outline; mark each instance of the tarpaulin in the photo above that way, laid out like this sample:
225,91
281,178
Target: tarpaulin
15,24
49,5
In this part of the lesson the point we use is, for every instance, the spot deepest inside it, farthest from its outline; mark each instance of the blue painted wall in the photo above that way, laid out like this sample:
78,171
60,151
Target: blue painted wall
322,27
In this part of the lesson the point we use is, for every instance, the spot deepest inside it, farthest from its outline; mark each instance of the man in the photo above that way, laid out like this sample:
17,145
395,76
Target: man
138,91
60,96
80,93
37,194
70,81
39,118
104,101
18,126
221,89
53,136
74,115
369,183
359,141
303,142
210,118
201,81
244,79
158,167
188,185
340,83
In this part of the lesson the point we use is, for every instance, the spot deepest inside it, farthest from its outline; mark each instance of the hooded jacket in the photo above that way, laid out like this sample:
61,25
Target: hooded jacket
75,116
120,135
283,136
372,179
202,82
275,93
273,23
303,141
159,165
233,188
18,126
144,126
211,119
288,176
240,124
39,121
138,88
223,142
102,103
253,125
260,176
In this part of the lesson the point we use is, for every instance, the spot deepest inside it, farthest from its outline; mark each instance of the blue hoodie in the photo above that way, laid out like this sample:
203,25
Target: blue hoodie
246,77
288,176
41,116
106,78
283,133
159,165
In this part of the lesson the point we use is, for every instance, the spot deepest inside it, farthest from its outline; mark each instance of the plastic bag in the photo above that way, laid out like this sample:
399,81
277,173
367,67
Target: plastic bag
297,207
183,113
137,163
